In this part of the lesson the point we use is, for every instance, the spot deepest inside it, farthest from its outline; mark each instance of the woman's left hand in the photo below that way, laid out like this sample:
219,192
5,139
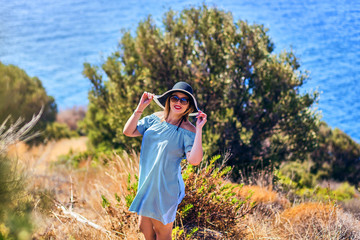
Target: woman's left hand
201,119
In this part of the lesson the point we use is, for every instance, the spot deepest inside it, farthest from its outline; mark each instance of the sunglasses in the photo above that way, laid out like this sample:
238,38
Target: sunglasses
175,99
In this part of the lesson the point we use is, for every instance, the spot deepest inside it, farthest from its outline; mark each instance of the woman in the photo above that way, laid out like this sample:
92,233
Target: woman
168,137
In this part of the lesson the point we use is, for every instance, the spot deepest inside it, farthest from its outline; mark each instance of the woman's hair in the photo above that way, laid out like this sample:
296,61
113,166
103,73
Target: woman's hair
185,115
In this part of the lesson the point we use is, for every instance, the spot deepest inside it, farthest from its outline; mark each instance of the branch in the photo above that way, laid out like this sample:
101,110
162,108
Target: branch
82,219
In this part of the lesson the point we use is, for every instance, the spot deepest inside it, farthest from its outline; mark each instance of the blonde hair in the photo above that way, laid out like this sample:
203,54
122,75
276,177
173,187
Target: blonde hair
185,115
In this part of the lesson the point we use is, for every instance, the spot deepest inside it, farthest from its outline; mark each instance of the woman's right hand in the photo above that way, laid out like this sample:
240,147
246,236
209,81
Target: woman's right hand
145,100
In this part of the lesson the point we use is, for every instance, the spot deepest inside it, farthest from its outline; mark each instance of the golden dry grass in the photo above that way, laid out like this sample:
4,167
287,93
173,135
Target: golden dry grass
80,190
39,158
77,189
304,212
304,221
261,194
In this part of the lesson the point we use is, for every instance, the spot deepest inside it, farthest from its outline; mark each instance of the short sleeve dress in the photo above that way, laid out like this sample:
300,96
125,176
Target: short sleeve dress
161,187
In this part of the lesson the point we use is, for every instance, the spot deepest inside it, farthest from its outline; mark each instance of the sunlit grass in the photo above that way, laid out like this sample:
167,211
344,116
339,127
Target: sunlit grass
82,190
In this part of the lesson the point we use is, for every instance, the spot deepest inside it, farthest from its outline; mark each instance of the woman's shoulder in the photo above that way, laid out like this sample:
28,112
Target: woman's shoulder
188,126
159,114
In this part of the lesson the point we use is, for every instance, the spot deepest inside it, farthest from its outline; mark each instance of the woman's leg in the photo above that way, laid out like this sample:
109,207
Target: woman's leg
147,228
163,232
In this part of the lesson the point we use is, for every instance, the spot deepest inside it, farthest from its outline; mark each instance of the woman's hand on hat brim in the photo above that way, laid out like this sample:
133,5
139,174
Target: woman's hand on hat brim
145,100
201,119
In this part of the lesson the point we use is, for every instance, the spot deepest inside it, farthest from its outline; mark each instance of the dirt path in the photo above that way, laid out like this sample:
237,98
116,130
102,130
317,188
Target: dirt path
39,158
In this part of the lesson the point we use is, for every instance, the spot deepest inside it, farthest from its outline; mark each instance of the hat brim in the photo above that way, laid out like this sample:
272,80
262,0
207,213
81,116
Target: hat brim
161,99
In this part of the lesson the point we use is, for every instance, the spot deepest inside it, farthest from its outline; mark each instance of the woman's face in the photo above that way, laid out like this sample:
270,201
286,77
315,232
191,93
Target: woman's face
179,102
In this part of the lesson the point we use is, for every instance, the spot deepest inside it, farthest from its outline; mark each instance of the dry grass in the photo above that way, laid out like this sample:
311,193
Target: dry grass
80,191
316,221
52,150
306,212
262,195
304,221
352,206
276,218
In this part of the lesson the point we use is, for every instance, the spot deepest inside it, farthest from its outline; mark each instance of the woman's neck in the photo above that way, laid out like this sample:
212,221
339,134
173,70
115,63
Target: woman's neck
173,118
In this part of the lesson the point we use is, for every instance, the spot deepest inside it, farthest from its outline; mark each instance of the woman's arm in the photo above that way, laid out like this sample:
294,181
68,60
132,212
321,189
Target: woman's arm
130,126
195,156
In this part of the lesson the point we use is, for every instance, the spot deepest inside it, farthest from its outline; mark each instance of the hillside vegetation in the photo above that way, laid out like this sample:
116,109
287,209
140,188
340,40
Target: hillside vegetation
83,196
272,169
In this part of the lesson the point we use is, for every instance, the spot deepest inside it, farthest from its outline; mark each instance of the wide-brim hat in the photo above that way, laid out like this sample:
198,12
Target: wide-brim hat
178,87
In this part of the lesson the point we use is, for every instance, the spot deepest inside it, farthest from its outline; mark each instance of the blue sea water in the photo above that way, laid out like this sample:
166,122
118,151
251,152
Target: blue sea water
52,40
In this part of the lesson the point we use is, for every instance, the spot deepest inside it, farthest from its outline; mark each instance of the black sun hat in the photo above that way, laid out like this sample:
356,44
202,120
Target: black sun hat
178,87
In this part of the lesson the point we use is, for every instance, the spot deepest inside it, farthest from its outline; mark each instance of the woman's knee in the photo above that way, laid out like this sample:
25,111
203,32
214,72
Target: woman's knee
163,234
145,225
162,231
141,227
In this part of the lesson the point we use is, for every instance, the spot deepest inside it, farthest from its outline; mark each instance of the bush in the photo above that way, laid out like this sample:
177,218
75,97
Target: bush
16,204
210,202
74,160
210,207
344,192
296,180
15,208
22,96
299,174
262,115
56,131
337,155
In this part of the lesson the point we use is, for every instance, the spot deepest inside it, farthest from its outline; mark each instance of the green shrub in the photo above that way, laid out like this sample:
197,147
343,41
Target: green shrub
210,201
22,96
73,159
15,207
16,202
337,155
56,131
299,173
132,189
297,181
344,192
251,94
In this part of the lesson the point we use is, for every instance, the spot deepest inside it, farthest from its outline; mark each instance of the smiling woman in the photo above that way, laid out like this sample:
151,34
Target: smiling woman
182,109
168,137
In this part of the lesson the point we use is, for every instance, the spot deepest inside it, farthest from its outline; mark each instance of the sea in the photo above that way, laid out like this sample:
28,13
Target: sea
52,39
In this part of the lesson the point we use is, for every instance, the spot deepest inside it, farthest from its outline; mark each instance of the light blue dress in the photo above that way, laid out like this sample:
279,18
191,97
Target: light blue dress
161,187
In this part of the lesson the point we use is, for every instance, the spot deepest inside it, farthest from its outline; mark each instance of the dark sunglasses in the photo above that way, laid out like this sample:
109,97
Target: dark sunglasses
175,99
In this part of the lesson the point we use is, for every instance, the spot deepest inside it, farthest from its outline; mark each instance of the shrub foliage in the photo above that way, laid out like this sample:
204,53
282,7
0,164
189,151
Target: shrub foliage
16,204
251,94
338,156
210,200
22,96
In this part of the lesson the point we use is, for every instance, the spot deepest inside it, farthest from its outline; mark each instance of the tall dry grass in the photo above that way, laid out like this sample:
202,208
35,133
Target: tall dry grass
78,191
304,221
82,191
15,204
87,185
